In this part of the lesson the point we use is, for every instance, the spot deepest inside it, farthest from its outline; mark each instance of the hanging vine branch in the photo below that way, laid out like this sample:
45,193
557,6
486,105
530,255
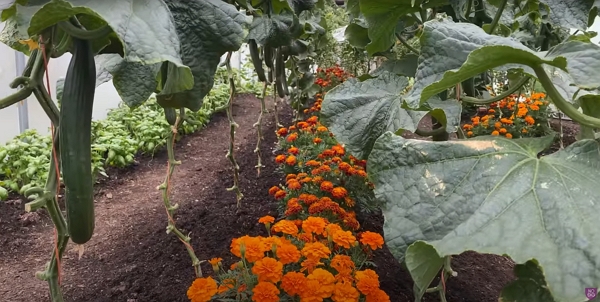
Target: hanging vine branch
258,125
232,126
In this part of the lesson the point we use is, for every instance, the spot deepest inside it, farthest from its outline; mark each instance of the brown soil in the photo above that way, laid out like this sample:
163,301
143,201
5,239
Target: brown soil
132,259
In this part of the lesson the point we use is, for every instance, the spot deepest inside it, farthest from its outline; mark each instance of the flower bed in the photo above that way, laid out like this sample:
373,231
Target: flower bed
317,252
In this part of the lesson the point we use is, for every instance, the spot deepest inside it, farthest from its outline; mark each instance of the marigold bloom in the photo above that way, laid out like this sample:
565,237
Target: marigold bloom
282,132
326,282
470,133
280,158
266,219
294,185
372,239
306,180
317,180
529,120
314,225
367,281
326,186
534,107
349,201
214,262
491,111
344,238
226,285
495,133
270,242
290,160
310,265
467,127
290,176
322,129
202,289
265,292
286,227
312,163
311,293
268,270
292,137
280,194
343,264
497,125
339,150
328,153
315,251
378,296
312,120
273,190
344,166
351,222
508,135
345,292
332,228
288,253
524,130
253,247
294,150
317,140
293,283
339,192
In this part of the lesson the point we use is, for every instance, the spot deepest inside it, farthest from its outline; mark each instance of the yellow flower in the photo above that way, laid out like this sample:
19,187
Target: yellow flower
202,289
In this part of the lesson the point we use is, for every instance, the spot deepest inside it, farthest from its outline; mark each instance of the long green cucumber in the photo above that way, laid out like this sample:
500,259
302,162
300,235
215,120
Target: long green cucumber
268,55
255,56
75,141
280,75
171,115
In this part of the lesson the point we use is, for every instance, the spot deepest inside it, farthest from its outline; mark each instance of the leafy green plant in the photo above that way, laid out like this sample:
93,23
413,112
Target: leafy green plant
487,194
24,161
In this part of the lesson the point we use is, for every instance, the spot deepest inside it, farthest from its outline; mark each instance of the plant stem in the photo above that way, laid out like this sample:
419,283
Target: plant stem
497,17
165,188
562,104
498,97
434,132
405,43
468,11
275,101
258,125
232,126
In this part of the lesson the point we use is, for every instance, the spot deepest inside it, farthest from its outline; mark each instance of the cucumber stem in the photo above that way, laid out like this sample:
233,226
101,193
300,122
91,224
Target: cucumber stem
258,125
165,188
499,97
232,126
84,34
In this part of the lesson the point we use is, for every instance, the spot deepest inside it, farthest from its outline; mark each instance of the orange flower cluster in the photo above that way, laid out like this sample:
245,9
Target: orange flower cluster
315,253
330,77
512,117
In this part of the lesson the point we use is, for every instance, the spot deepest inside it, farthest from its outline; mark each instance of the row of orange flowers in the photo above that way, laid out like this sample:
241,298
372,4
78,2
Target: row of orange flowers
317,251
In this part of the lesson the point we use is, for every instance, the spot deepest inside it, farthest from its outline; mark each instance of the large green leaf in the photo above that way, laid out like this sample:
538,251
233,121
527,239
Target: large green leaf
583,62
207,29
570,14
357,113
405,66
357,34
423,264
453,52
383,16
530,285
497,196
273,31
191,35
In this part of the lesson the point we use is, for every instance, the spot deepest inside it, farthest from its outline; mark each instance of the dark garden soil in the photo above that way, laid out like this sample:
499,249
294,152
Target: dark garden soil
132,259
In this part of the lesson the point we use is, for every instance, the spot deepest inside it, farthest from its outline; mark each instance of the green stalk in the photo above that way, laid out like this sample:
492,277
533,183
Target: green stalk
499,97
84,34
275,101
497,17
258,124
562,104
468,12
164,187
232,126
405,43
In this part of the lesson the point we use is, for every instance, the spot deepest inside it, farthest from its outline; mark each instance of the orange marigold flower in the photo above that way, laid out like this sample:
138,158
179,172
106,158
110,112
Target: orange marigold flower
294,150
325,168
332,228
378,296
326,186
345,292
344,166
343,264
303,125
495,133
270,242
529,120
534,107
310,265
306,237
280,158
351,222
467,127
367,281
282,132
321,128
310,294
502,131
336,160
266,219
315,251
328,153
314,225
288,253
470,133
292,137
286,227
268,270
344,238
313,119
349,201
524,130
293,283
326,282
290,176
292,128
491,111
317,140
312,163
290,160
265,292
280,194
253,247
294,185
339,192
497,125
317,180
226,285
305,180
508,135
202,289
372,239
273,190
339,150
361,173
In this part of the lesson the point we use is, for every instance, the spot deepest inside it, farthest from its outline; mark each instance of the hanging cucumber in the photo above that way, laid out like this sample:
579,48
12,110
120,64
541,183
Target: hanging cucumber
255,56
268,55
171,115
278,74
75,141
